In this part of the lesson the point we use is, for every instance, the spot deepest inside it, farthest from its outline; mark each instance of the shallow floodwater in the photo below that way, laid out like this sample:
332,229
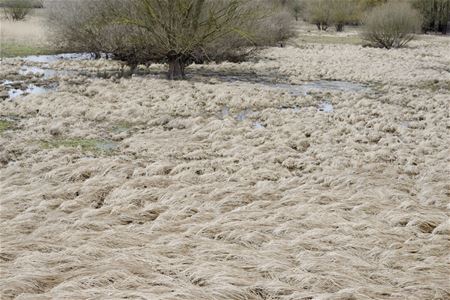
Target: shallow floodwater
301,89
31,89
106,146
58,57
14,92
18,88
295,89
321,85
36,71
243,115
326,107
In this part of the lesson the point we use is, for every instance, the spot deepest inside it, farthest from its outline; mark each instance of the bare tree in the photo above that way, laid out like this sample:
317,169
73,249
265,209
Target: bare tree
176,32
179,29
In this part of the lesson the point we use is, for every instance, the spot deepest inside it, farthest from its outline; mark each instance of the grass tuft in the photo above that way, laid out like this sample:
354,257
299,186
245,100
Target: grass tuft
5,125
86,145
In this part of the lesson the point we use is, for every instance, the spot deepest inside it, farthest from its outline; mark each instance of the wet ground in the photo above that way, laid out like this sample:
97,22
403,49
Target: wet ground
42,77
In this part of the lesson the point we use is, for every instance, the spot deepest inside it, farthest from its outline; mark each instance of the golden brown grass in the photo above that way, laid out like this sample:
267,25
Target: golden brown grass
352,204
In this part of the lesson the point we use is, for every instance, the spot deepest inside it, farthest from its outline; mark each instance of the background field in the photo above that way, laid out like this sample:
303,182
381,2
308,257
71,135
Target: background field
24,38
221,187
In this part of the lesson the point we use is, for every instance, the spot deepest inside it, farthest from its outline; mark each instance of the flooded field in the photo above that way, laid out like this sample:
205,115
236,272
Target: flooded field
302,174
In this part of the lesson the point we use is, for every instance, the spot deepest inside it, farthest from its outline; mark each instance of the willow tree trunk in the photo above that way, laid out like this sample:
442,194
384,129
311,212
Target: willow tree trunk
339,27
176,68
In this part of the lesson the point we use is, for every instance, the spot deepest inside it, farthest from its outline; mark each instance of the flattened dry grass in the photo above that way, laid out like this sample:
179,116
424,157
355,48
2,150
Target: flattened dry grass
351,204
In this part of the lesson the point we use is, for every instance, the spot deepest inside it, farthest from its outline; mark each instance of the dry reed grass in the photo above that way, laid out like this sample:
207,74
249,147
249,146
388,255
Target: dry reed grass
348,205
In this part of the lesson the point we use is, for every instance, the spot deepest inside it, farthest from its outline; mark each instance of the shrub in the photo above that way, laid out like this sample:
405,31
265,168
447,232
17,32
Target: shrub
297,8
343,12
319,13
391,25
436,14
177,32
325,13
17,10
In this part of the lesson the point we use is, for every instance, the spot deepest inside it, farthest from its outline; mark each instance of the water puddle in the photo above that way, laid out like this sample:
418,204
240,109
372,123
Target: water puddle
326,107
106,146
31,89
58,57
46,72
36,71
300,89
7,82
319,86
304,89
242,115
405,125
258,125
225,112
18,88
330,85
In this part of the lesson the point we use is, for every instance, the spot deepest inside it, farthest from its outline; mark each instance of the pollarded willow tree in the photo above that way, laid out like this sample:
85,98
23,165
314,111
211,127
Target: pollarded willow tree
177,32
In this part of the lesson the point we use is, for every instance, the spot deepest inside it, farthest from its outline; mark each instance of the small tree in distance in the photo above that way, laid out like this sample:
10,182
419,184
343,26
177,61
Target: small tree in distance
391,25
343,12
17,10
319,13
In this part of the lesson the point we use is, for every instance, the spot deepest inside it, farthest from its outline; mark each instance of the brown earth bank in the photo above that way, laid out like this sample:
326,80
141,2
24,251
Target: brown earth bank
141,188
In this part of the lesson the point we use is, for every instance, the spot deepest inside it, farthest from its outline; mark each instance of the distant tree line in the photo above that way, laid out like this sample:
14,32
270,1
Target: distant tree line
338,13
328,13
